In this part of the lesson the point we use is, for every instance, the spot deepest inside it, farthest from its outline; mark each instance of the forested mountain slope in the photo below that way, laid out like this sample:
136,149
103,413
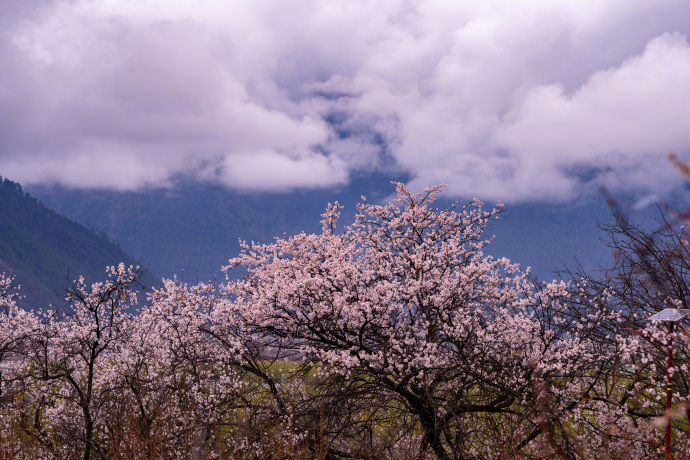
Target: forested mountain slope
43,249
192,230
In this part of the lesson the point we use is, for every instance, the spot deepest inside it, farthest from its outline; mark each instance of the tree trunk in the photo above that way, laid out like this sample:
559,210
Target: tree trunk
88,435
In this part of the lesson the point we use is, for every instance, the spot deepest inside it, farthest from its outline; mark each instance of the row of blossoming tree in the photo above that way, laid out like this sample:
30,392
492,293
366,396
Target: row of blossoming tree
396,337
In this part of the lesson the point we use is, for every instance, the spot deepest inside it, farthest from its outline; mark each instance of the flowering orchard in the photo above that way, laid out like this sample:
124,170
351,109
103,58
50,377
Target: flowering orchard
395,337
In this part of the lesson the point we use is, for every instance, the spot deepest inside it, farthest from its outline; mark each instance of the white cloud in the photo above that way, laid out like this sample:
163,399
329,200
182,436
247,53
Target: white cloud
622,120
270,170
506,100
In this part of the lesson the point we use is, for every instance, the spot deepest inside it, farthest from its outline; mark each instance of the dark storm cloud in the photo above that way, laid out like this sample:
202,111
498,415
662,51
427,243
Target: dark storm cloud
501,99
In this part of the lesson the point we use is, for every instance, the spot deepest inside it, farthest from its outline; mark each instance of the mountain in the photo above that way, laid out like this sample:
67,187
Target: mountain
43,249
194,229
191,230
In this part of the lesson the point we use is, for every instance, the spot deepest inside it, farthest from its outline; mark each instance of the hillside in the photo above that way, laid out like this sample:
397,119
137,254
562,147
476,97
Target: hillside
44,249
193,229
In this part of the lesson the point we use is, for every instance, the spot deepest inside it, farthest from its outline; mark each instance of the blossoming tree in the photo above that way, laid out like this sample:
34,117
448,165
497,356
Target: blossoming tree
403,314
395,337
67,376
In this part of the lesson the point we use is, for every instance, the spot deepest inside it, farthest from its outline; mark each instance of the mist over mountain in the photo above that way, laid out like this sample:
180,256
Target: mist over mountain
43,250
193,229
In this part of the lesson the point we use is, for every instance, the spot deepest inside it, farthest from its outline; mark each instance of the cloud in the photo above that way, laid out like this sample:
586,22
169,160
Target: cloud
622,121
274,171
506,100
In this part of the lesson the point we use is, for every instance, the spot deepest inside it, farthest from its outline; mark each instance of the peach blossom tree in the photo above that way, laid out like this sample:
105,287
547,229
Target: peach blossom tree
403,312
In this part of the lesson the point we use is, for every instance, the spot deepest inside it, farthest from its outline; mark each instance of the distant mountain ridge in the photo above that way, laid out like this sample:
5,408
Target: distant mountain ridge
43,249
191,230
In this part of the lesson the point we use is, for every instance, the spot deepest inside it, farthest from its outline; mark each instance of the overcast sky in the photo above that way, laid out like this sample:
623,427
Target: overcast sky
508,100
